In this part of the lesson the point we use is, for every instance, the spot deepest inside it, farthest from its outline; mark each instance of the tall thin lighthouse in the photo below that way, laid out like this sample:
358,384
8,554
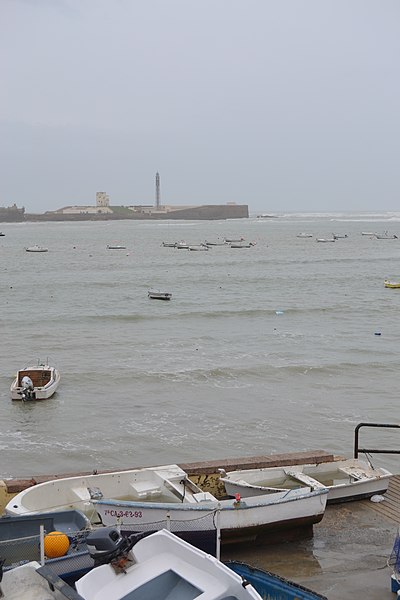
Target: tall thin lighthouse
158,191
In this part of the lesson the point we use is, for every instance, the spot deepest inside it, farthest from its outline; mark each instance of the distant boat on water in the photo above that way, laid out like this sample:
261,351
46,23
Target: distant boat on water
36,248
304,235
391,284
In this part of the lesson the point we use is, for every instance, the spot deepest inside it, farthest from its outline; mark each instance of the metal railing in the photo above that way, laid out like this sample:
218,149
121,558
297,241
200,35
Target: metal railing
357,449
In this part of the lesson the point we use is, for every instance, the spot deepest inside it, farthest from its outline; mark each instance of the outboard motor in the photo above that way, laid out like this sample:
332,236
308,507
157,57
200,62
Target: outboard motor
27,392
106,545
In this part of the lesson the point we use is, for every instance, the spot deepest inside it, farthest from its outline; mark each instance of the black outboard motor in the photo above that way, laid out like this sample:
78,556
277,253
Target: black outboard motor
106,545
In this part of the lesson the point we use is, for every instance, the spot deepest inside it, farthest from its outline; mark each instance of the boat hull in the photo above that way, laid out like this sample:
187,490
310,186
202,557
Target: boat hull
45,380
238,521
345,480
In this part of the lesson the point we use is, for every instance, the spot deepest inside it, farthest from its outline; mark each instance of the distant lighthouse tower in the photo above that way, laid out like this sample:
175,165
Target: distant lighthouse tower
158,191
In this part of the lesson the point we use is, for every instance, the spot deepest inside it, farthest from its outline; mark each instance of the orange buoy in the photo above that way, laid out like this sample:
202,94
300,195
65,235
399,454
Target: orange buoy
56,544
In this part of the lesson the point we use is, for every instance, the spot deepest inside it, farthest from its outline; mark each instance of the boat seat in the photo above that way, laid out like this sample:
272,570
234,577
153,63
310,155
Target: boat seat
355,473
204,497
145,489
303,478
82,493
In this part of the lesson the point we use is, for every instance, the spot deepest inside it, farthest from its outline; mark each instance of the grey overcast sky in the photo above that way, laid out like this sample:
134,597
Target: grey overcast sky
284,105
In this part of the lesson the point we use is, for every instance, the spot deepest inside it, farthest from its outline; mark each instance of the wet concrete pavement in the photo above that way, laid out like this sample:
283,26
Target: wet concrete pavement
346,558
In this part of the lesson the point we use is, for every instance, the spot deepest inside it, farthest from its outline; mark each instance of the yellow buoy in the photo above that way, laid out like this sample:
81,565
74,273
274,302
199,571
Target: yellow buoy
56,544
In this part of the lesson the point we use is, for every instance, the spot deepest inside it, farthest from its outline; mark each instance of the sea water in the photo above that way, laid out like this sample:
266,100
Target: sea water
285,346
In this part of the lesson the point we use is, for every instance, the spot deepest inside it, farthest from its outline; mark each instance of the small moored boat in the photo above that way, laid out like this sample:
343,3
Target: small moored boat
156,295
115,247
304,235
154,498
391,284
326,239
346,480
234,240
35,383
162,566
241,245
199,248
36,248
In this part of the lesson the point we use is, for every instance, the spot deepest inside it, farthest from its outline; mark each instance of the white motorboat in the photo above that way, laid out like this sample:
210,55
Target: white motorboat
386,236
35,383
326,239
115,247
163,566
345,479
36,248
241,245
234,240
182,245
156,295
199,248
160,566
304,235
152,498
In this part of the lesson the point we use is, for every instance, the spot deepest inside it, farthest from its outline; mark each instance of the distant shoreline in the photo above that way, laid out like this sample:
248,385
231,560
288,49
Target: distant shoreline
206,213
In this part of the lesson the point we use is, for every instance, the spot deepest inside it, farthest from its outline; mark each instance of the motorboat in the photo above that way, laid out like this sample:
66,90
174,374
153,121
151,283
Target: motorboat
36,248
35,383
182,245
162,566
368,233
156,295
152,498
115,247
304,235
234,240
391,284
386,236
199,248
169,244
241,245
158,566
326,239
340,236
2,234
345,479
215,243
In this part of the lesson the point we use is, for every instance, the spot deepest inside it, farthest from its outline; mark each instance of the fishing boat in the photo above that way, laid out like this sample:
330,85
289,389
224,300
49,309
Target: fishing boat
215,243
156,295
199,248
153,498
35,383
36,248
163,566
391,284
385,236
233,240
241,245
2,234
64,534
160,565
346,480
182,245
